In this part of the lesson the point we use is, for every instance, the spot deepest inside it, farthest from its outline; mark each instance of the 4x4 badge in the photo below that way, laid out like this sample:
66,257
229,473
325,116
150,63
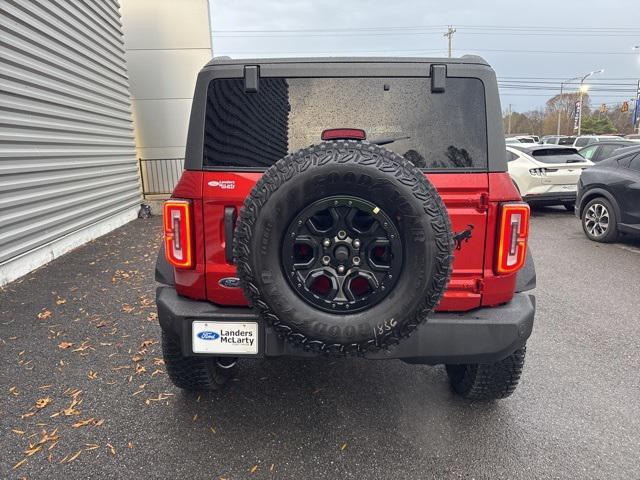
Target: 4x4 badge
229,282
223,184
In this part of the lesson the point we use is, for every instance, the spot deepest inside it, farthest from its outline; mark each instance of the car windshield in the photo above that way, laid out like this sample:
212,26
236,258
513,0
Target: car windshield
557,155
566,140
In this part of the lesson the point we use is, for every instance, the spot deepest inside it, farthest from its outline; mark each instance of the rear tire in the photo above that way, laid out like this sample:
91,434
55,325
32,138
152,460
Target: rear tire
487,381
593,224
192,373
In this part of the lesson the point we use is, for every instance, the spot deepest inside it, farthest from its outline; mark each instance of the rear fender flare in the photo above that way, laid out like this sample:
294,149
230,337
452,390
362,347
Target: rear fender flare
164,271
526,276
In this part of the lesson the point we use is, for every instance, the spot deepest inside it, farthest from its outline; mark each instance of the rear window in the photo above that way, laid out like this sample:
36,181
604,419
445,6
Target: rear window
566,140
253,130
557,155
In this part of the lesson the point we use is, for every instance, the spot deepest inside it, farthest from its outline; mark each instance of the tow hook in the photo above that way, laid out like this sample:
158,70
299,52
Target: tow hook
226,362
463,236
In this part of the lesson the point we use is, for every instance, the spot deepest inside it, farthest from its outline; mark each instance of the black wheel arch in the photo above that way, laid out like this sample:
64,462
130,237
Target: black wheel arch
595,193
526,276
164,272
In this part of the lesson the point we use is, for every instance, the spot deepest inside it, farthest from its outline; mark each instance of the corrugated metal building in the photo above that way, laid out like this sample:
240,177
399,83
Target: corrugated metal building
68,168
69,171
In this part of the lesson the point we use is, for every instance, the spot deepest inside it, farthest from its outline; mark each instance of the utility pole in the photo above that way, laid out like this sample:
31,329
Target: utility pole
509,123
449,34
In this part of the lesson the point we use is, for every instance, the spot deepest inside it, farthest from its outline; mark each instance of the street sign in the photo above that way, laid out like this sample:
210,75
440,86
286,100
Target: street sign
577,119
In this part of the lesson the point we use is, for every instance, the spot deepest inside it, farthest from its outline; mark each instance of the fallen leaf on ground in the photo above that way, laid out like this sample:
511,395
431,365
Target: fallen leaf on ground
19,432
111,447
14,391
19,464
92,375
82,423
159,398
253,469
74,456
43,402
344,445
65,345
83,346
44,314
60,301
31,451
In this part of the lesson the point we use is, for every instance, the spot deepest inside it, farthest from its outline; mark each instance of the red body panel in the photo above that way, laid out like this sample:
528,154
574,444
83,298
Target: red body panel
471,199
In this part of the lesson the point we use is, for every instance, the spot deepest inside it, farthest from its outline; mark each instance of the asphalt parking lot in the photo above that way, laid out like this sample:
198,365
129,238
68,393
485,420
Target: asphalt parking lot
83,391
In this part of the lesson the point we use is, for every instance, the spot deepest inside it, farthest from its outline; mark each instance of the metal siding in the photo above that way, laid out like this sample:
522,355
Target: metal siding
67,153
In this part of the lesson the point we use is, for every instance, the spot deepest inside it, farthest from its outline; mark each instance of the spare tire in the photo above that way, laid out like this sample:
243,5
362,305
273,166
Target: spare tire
343,247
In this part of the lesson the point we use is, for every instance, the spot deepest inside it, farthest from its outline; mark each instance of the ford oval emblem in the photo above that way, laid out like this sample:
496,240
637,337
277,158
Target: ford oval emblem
208,335
229,282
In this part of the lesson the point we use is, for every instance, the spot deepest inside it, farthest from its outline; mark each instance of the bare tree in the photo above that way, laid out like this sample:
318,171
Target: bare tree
565,105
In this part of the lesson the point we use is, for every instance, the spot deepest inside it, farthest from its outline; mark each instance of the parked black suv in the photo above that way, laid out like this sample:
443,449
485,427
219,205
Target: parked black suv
608,201
596,152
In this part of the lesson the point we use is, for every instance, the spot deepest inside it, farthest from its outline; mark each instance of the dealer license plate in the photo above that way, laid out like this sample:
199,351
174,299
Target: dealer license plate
224,337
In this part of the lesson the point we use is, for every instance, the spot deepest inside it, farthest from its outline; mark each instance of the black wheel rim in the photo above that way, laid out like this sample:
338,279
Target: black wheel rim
342,254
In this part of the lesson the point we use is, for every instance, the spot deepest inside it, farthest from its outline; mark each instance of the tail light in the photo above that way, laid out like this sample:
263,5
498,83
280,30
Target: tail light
178,241
538,172
514,230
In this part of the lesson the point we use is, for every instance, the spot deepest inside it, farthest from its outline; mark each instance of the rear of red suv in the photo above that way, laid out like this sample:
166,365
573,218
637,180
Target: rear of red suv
340,207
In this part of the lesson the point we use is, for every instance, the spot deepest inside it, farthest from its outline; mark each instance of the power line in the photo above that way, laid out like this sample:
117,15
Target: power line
491,50
562,29
255,34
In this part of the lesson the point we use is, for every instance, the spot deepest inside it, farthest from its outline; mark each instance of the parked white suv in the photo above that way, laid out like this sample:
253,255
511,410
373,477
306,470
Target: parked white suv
546,174
585,140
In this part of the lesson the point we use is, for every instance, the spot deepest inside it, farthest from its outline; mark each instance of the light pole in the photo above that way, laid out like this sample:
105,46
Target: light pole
562,84
582,89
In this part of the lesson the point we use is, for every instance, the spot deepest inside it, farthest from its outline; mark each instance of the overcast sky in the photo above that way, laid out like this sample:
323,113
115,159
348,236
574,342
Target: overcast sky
326,30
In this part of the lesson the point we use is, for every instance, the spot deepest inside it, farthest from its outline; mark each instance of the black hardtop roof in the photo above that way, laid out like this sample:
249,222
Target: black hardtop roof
464,60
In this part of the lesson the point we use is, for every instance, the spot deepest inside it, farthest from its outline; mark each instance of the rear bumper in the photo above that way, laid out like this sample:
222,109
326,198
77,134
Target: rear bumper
550,198
484,335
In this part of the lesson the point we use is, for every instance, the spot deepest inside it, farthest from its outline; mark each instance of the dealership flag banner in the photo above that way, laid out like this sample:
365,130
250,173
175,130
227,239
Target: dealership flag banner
636,110
577,119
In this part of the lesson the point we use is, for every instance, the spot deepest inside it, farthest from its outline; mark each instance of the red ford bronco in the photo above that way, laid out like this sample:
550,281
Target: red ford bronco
347,207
